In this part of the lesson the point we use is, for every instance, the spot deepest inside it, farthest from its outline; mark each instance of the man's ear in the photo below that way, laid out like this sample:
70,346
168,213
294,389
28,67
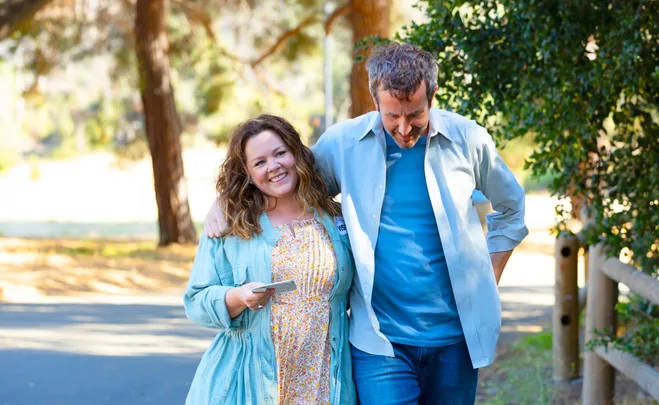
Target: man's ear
432,98
375,103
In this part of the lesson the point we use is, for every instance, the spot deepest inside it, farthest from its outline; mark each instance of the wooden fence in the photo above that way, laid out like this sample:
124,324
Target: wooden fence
603,275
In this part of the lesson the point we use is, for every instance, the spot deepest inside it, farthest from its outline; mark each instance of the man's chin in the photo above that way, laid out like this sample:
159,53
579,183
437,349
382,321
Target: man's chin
406,142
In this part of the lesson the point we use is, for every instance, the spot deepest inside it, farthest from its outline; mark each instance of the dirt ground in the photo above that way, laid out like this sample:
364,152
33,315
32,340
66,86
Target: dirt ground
30,268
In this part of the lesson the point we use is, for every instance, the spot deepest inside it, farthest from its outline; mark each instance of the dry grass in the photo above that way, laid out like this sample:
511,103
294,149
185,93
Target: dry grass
74,267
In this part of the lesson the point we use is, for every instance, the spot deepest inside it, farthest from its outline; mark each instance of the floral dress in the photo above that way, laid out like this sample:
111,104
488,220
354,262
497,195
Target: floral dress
300,319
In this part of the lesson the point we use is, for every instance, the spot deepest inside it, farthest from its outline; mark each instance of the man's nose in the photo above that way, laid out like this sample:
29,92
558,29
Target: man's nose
404,127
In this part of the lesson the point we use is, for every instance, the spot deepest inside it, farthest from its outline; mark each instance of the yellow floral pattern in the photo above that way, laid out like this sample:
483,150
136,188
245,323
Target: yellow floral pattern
300,318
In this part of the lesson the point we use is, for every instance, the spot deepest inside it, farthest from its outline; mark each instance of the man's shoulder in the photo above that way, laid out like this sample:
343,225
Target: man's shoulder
349,130
460,128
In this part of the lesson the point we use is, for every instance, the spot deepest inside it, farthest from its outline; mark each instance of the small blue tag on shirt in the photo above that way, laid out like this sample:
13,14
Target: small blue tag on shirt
341,225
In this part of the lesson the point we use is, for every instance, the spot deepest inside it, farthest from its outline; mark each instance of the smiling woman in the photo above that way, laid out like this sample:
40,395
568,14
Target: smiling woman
271,166
287,347
260,150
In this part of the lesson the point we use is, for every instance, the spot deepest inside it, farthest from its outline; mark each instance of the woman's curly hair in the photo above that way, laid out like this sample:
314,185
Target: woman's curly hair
243,202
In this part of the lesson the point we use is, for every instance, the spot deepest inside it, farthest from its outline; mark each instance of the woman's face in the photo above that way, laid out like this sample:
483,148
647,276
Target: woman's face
271,165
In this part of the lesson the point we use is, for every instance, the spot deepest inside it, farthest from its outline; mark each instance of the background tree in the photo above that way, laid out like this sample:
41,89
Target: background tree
583,78
163,125
368,18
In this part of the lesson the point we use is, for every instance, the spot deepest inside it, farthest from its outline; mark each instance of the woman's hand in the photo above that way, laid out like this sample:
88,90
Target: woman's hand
252,300
239,298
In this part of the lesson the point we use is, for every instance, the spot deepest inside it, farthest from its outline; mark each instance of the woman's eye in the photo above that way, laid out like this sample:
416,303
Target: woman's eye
281,153
259,163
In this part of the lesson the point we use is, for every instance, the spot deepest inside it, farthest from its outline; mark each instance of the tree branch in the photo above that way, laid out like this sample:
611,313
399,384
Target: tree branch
344,9
197,16
13,14
285,36
201,17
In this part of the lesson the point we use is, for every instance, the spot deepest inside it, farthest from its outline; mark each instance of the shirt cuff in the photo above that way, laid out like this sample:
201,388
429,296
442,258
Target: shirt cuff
501,243
220,313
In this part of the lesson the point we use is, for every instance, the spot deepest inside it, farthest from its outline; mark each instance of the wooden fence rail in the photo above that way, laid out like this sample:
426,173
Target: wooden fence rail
604,274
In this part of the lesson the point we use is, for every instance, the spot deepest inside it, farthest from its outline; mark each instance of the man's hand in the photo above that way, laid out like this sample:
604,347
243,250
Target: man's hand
215,223
499,260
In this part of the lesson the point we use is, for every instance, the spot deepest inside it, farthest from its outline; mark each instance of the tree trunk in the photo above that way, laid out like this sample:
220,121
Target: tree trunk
368,18
163,126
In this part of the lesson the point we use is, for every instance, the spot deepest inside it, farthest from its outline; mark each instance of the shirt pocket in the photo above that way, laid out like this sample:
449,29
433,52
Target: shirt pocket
239,275
226,277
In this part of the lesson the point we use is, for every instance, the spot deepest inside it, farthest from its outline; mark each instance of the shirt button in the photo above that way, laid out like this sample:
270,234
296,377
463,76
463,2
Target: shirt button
333,338
380,187
373,216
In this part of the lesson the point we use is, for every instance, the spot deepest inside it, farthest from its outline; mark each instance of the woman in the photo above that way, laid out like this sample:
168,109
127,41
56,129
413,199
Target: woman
286,348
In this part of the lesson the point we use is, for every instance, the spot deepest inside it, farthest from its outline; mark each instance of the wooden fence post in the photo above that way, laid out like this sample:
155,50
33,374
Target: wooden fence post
565,338
598,374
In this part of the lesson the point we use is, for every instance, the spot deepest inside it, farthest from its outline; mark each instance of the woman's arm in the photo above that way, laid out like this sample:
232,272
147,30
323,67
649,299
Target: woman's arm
207,300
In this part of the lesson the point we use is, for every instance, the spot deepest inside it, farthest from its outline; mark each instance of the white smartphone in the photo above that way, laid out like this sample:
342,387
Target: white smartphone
280,287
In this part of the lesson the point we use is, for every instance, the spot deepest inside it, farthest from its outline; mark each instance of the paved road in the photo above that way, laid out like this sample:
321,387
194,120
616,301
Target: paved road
141,350
60,353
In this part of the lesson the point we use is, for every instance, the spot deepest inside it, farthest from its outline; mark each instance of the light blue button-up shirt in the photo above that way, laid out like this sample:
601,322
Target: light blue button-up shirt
460,158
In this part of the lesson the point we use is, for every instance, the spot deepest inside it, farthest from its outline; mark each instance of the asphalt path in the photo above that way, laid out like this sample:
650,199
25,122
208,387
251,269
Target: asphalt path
64,353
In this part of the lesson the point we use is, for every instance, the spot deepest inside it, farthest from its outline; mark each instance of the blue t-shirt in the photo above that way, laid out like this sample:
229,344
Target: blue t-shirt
412,295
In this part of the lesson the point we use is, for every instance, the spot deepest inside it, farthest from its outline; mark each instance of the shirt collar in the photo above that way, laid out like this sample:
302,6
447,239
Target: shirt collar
437,125
374,125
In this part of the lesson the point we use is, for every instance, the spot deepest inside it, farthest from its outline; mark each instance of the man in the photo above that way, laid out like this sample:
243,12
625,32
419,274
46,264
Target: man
425,309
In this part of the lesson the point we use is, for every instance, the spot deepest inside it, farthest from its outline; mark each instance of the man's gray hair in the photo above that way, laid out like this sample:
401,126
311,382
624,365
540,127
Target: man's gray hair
400,68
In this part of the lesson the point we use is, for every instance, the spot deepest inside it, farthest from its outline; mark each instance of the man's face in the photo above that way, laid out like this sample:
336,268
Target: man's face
405,120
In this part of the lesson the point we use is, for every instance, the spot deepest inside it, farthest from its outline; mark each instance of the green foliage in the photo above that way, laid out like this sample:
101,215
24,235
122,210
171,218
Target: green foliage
134,150
582,77
7,160
641,339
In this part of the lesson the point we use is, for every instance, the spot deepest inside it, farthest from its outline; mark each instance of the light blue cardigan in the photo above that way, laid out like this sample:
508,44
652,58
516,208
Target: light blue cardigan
239,367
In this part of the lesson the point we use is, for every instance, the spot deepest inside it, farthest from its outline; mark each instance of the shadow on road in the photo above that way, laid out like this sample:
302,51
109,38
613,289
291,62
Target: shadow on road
525,310
86,354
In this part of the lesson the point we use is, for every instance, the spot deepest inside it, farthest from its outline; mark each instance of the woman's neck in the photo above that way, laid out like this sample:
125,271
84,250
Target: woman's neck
285,210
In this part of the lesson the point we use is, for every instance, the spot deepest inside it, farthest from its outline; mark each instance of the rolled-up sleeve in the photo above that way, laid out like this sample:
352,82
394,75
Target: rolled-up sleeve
205,294
506,228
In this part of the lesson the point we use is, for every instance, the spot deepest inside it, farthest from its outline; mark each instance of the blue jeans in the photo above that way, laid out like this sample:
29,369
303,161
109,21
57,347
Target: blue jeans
416,376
